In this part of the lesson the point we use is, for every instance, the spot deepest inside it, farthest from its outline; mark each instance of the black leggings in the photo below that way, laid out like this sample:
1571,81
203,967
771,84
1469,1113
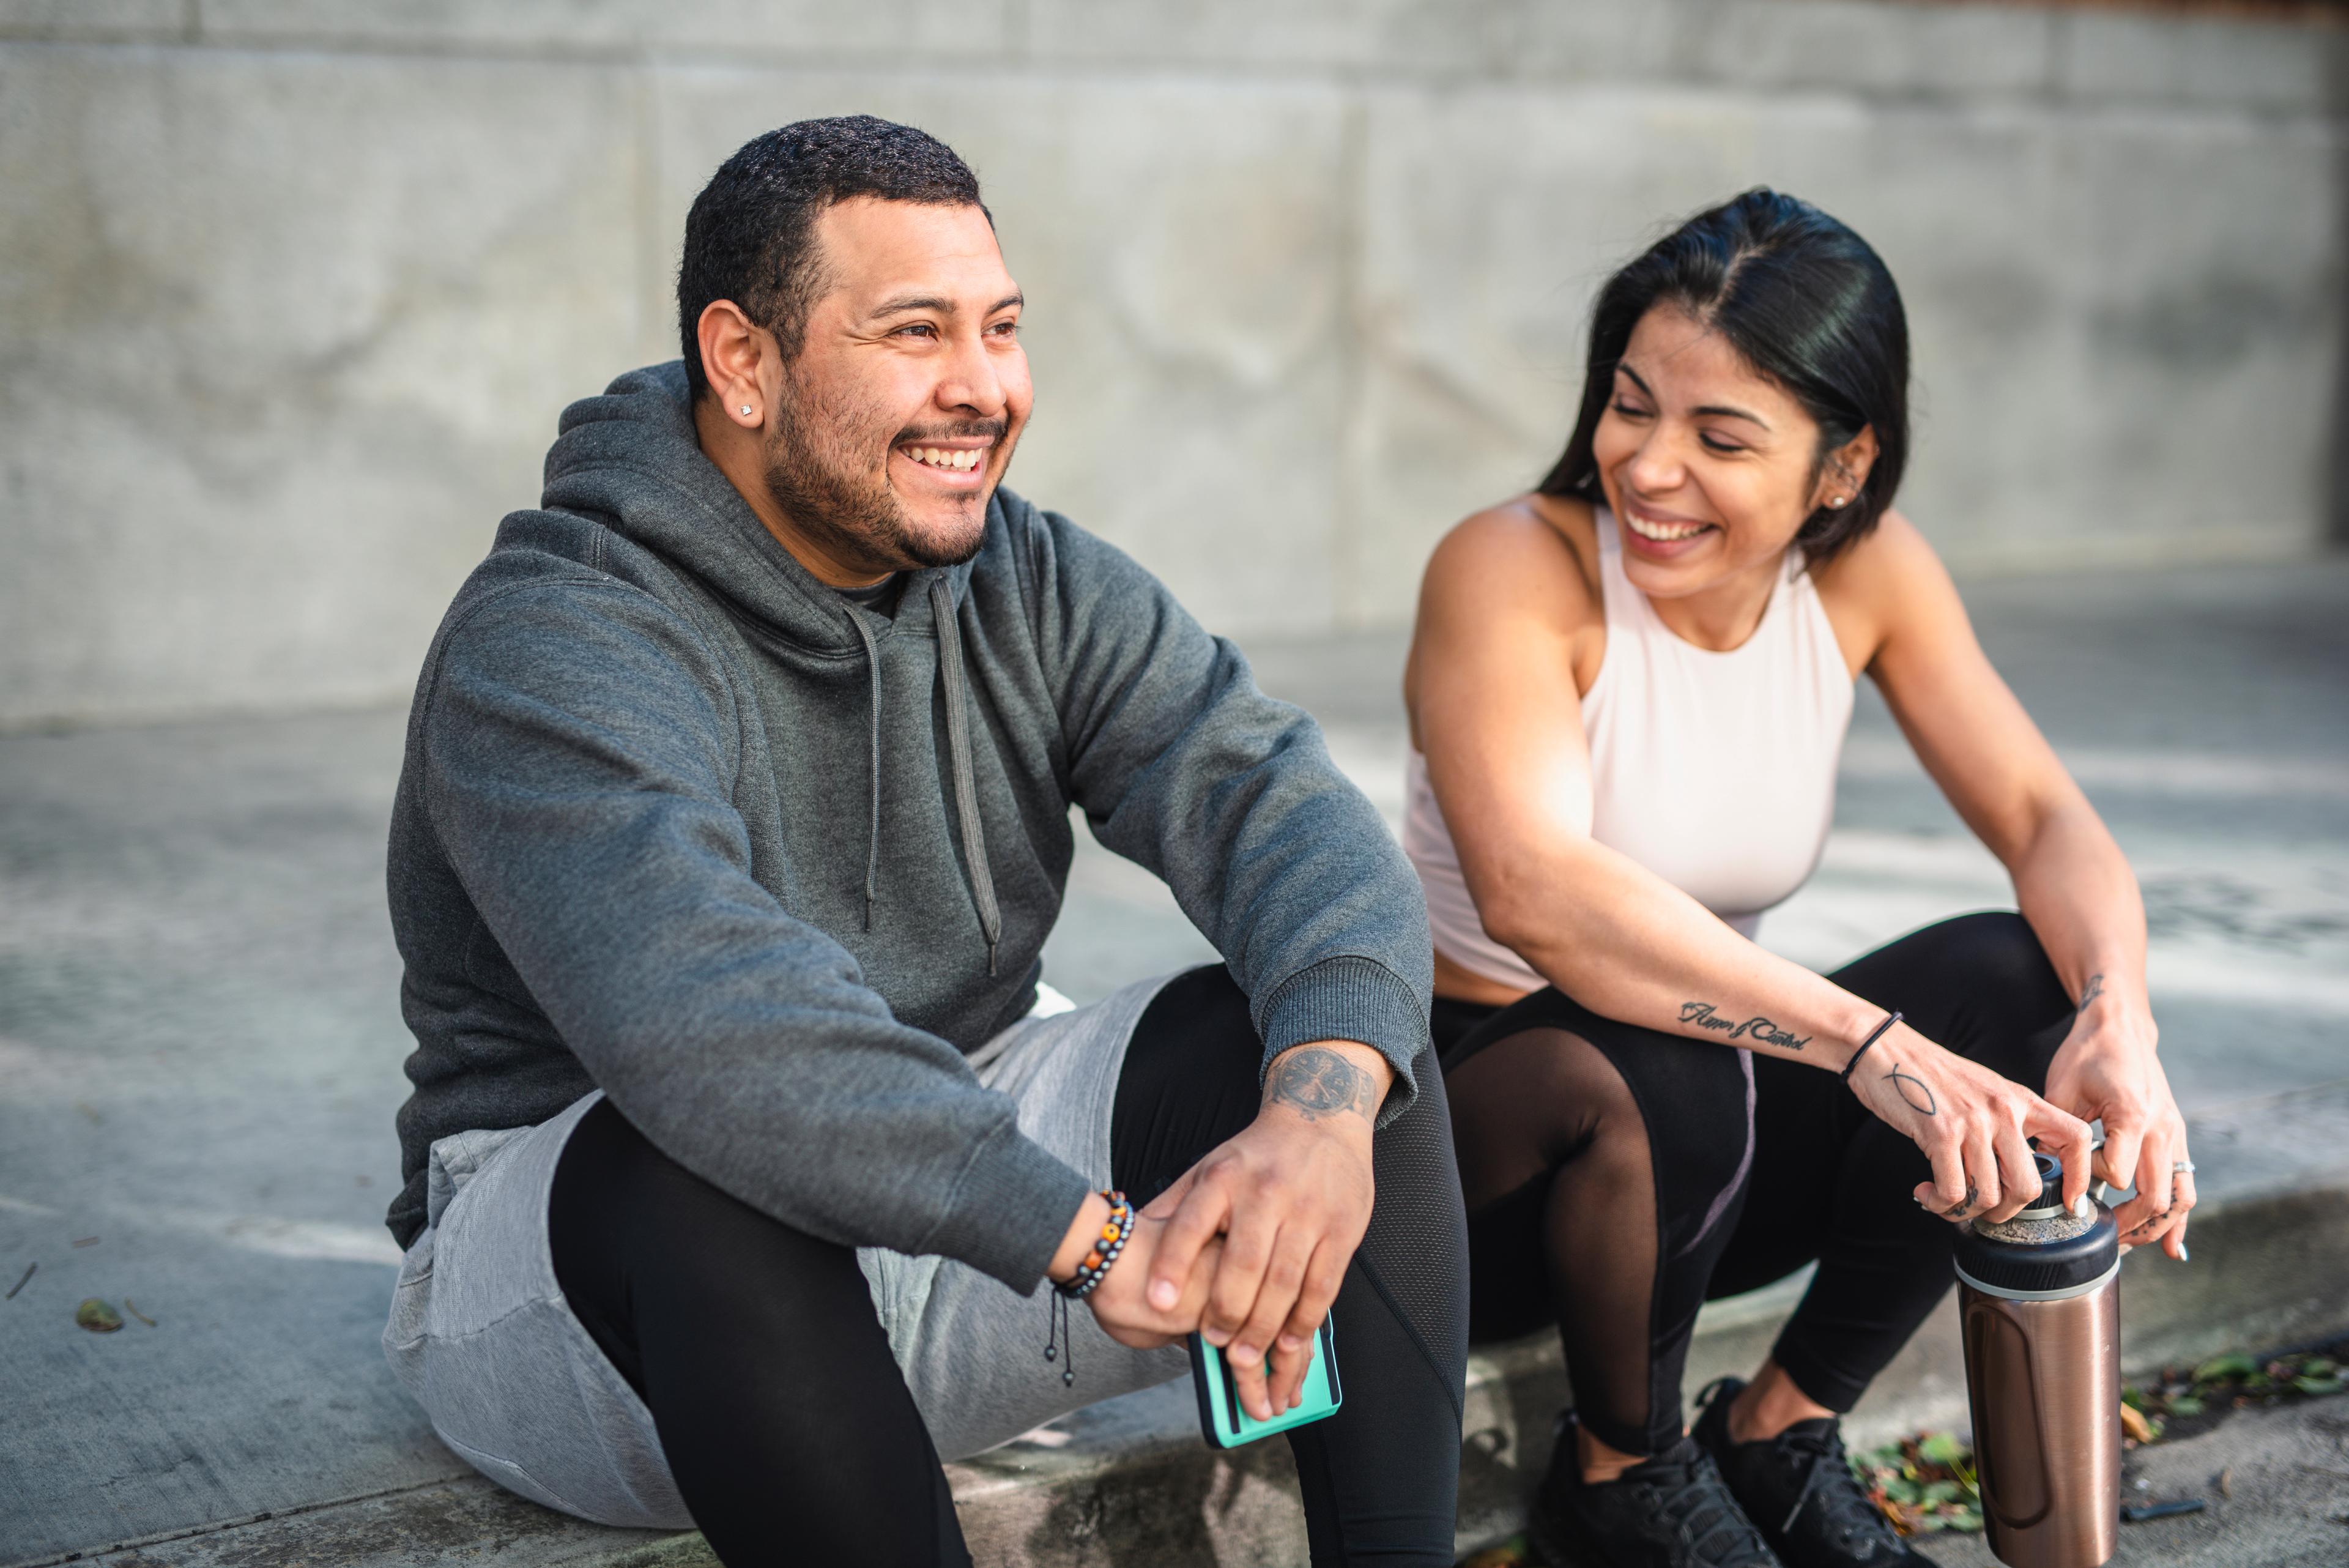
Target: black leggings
1618,1177
791,1432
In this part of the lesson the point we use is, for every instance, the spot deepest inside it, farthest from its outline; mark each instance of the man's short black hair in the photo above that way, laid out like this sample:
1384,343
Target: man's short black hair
748,238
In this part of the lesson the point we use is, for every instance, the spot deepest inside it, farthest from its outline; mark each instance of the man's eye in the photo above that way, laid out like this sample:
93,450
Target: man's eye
922,329
1004,329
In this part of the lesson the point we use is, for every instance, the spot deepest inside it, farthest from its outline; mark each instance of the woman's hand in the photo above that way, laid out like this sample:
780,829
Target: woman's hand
1971,1124
2108,1068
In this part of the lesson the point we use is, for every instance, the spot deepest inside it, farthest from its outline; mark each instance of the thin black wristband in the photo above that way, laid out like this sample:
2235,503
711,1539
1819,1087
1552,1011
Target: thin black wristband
1878,1033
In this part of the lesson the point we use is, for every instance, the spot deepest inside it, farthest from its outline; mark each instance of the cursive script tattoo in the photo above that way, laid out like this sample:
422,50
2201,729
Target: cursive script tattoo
1757,1027
1965,1205
1912,1091
2096,988
1318,1082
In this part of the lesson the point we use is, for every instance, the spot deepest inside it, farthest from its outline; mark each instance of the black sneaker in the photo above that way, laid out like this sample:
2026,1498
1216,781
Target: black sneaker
1672,1512
1799,1488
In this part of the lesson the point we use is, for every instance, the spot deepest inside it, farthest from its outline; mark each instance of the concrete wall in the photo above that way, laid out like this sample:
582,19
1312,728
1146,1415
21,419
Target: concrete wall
291,291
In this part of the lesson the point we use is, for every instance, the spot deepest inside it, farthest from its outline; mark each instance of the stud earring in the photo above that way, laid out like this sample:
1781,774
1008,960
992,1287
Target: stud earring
746,414
1836,501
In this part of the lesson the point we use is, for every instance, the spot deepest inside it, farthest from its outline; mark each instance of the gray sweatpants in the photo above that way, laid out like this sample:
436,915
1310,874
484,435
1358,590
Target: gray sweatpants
480,1333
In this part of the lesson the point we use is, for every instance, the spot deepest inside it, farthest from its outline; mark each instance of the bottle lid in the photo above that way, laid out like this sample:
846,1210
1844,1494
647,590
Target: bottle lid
2045,1253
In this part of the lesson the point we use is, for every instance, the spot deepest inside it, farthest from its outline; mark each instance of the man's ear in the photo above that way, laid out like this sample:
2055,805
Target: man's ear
740,361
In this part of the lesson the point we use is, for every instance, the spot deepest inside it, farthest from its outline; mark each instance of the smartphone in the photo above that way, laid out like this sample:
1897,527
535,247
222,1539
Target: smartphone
1226,1425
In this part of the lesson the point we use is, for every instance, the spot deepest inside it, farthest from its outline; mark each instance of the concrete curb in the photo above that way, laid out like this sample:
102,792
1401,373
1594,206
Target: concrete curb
1128,1481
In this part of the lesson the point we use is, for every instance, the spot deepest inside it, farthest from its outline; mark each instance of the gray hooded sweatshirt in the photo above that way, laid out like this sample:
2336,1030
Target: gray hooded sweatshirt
679,821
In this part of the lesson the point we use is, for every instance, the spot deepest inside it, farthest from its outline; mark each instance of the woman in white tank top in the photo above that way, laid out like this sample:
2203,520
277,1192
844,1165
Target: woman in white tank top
1628,693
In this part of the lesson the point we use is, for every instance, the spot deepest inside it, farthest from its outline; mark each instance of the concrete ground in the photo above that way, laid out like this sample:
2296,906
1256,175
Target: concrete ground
200,1042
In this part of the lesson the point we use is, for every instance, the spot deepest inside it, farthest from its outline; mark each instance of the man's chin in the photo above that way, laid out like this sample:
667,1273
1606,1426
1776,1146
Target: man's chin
944,540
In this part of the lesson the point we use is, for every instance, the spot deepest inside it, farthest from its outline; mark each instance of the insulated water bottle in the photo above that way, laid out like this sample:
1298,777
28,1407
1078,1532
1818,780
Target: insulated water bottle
2039,1302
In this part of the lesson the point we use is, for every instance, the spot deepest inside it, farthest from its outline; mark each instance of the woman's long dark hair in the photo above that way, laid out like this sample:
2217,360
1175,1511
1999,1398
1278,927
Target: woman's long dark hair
1806,303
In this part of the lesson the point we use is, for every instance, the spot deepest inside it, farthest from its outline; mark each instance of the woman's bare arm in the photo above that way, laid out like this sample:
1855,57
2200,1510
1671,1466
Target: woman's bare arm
2071,881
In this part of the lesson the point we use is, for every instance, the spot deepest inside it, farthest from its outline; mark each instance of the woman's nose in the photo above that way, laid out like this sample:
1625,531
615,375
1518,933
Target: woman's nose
1656,468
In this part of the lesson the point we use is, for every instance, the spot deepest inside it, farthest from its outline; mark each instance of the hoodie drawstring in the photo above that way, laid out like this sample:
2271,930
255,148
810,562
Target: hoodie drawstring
872,847
974,842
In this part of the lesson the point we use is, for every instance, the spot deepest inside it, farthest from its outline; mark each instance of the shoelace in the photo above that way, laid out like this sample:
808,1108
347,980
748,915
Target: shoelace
1849,1512
1719,1532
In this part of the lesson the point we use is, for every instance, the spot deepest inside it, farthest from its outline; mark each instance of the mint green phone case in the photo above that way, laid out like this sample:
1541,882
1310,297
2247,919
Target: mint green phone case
1227,1426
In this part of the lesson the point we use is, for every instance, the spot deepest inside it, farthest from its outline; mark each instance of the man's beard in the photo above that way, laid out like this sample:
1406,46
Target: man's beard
817,468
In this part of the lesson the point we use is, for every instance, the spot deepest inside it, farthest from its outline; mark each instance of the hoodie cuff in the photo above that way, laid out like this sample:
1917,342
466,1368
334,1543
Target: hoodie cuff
1009,1211
1350,999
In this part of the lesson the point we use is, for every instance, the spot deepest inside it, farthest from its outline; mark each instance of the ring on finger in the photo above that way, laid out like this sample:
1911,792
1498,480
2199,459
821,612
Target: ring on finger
2181,1167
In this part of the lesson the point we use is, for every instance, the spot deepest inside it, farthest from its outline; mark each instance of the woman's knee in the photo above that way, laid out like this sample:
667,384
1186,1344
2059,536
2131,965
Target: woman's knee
2019,1007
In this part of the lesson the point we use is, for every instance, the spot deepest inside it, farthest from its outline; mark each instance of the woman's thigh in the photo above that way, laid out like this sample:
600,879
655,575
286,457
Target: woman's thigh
1547,1084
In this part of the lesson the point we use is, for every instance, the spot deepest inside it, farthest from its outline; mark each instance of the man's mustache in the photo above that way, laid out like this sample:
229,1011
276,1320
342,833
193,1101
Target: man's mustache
992,429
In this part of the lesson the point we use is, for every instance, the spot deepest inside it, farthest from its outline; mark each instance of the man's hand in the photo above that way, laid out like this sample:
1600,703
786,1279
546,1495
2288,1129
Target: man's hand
1119,1303
2108,1068
1290,1196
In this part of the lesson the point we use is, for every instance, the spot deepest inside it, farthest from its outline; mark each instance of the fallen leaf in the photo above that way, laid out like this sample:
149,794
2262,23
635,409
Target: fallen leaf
97,1317
2134,1423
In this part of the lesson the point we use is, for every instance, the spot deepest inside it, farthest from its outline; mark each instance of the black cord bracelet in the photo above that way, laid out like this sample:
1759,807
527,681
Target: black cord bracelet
1878,1033
1116,1232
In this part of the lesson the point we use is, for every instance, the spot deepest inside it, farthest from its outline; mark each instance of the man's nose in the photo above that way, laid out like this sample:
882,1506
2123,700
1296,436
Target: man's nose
970,382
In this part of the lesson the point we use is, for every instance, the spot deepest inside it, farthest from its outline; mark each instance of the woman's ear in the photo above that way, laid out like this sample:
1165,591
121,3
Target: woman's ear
1844,473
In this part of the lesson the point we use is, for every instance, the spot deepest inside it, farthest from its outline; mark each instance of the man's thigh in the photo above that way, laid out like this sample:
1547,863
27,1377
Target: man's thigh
481,1335
972,1348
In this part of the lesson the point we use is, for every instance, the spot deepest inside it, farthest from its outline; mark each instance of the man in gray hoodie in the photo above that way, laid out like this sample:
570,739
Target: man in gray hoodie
734,817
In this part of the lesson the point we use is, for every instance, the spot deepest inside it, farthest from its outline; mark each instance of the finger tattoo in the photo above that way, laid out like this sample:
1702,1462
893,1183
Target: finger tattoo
1913,1090
1319,1082
1964,1204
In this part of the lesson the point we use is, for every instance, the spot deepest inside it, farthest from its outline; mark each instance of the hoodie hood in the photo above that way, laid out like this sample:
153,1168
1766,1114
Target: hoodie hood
631,460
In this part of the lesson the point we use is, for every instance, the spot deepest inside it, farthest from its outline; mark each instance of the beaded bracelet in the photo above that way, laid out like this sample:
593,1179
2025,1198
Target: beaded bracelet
1114,1234
1114,1231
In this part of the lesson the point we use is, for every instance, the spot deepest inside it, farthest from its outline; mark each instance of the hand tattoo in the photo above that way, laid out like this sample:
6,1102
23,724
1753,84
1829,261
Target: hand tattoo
2096,988
1964,1204
1703,1015
1319,1082
1913,1091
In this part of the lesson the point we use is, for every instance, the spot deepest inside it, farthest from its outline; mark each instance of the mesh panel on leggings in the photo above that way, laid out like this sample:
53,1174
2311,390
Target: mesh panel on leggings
1417,1244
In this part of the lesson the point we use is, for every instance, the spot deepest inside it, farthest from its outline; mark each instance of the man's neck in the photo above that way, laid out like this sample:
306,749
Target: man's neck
738,455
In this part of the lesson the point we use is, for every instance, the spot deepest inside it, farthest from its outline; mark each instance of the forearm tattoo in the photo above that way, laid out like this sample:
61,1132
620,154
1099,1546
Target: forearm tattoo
1703,1015
2093,990
1318,1082
1913,1090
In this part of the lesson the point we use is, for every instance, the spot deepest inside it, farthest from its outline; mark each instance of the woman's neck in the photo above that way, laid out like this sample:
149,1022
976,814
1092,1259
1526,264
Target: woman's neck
1721,616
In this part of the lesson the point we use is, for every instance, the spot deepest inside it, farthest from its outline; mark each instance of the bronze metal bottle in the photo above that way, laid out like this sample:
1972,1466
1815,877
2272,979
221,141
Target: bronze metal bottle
2039,1302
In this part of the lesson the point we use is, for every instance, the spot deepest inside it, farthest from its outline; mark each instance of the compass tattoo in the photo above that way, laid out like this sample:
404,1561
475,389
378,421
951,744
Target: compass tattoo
1318,1082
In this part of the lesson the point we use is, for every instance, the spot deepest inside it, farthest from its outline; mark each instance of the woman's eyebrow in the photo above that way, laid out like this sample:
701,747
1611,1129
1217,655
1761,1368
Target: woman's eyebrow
1720,410
1725,411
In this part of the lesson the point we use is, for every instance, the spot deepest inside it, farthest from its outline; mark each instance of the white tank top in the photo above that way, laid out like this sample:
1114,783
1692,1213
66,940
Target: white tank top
1716,770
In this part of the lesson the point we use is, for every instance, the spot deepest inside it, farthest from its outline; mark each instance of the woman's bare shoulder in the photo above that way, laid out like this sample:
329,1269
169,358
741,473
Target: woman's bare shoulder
1534,546
1886,570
